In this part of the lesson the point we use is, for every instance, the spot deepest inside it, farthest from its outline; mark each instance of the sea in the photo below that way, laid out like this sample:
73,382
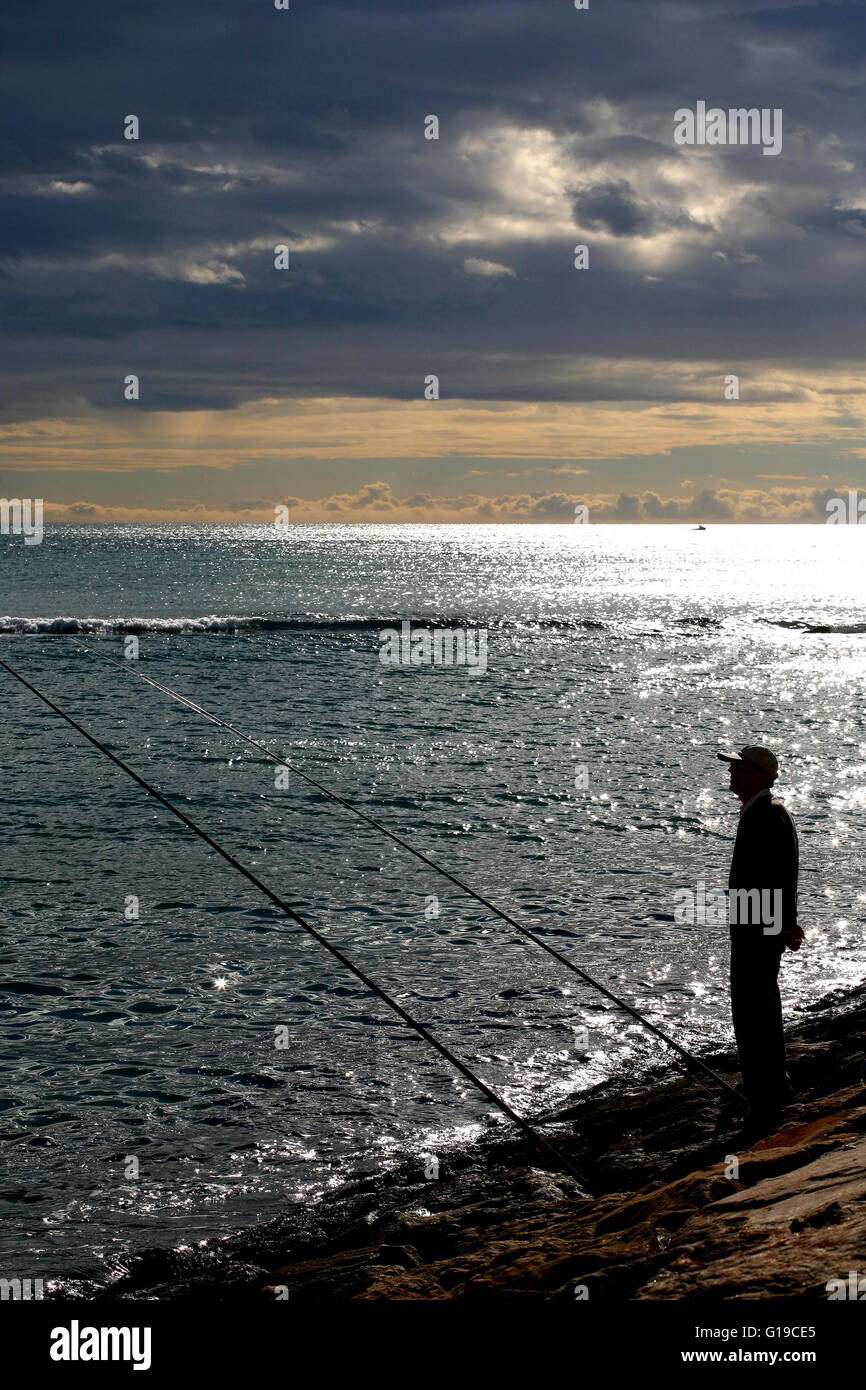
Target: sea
181,1060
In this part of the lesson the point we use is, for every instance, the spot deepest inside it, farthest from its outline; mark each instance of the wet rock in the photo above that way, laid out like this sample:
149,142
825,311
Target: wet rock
676,1204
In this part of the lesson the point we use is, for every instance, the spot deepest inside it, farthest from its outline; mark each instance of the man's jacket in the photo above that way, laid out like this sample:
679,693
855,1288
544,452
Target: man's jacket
764,869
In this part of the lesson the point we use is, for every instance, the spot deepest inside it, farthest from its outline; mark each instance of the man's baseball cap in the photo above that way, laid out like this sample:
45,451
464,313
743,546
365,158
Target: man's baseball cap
759,757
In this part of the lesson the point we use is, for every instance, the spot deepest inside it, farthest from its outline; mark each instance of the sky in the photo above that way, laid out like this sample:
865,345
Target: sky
411,258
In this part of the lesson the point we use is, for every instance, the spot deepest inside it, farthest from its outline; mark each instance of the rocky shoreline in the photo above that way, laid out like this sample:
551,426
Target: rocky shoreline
675,1204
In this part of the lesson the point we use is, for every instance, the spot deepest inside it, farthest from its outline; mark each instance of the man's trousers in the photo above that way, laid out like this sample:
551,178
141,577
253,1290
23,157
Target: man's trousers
757,1013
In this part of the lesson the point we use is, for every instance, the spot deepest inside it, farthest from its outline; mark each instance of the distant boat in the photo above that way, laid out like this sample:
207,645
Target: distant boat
699,528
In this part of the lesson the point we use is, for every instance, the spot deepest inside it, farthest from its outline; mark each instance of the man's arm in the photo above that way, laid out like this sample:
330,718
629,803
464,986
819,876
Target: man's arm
786,859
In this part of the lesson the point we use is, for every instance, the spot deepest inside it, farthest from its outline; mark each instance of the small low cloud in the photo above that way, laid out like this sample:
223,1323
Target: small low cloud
489,270
65,187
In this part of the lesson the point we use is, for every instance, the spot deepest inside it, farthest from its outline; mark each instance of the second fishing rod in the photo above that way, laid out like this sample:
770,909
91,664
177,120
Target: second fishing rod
688,1057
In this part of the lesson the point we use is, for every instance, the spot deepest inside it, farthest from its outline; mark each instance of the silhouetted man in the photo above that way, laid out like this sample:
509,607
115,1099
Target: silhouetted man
762,913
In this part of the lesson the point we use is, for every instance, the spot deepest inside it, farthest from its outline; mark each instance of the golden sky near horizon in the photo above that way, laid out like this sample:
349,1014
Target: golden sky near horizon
293,434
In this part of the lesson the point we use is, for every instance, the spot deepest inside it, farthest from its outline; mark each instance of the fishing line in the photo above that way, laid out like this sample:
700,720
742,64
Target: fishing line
317,936
431,863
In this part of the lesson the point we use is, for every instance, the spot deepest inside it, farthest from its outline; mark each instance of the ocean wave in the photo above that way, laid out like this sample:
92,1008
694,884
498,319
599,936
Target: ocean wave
801,625
214,624
700,622
837,627
796,623
95,627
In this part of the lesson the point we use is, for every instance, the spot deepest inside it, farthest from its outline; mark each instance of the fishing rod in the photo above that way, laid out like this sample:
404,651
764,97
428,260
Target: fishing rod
419,1028
689,1057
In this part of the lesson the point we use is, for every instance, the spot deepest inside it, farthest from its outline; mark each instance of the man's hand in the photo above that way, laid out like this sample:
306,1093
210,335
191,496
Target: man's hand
794,939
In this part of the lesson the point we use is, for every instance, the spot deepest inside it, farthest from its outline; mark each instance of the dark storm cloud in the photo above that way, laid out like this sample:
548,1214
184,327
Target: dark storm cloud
614,207
306,127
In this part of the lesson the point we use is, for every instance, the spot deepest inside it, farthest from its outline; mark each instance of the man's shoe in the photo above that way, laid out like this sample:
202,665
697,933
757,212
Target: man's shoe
731,1115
